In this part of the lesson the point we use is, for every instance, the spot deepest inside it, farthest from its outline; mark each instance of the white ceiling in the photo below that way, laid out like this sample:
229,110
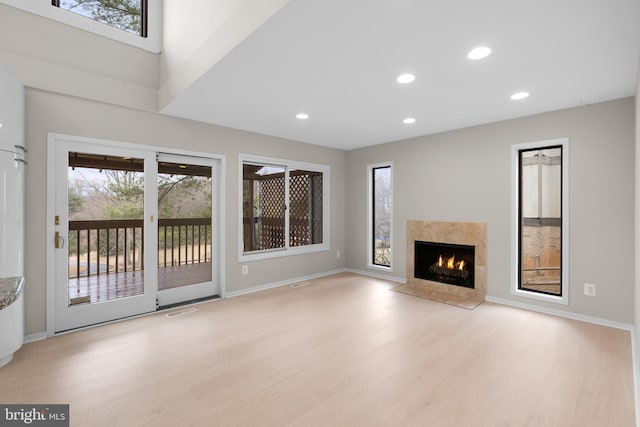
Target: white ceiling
337,60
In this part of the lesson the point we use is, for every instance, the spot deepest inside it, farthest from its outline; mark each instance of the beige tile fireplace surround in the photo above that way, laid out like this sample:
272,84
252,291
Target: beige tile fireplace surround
460,233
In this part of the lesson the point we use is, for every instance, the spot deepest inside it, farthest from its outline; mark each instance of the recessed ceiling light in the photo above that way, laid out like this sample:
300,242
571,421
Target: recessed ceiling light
409,121
519,95
302,116
0,125
479,53
406,78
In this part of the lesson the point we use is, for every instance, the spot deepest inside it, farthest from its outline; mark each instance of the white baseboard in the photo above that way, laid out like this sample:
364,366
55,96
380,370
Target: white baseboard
282,283
35,337
377,275
560,313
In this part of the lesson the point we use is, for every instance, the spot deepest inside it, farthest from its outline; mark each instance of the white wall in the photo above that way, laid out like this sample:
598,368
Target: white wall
195,38
465,175
53,56
48,112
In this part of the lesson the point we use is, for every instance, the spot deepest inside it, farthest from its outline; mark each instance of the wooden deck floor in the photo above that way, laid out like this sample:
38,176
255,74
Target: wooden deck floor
107,287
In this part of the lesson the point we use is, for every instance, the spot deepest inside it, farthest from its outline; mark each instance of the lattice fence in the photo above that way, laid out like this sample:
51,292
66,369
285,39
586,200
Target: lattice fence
272,212
267,227
305,202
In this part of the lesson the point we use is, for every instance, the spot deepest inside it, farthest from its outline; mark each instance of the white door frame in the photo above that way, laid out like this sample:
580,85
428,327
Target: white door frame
220,227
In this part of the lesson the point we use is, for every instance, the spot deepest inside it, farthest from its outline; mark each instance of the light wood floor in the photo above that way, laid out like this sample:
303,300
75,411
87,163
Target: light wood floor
341,351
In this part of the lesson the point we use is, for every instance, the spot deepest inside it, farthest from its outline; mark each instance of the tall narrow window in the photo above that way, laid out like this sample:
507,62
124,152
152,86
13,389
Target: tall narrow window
126,15
541,222
380,214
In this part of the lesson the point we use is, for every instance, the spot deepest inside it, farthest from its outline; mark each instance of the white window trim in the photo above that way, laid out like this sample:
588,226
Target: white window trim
151,43
370,263
287,250
515,261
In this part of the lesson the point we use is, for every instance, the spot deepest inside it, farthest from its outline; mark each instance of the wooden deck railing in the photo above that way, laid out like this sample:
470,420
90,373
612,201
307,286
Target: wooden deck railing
112,246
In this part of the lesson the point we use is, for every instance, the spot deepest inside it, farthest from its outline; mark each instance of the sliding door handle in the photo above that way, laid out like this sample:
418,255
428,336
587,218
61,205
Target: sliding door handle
58,240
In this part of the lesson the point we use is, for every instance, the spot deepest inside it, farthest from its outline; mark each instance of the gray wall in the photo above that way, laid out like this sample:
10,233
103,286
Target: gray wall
49,112
52,56
465,175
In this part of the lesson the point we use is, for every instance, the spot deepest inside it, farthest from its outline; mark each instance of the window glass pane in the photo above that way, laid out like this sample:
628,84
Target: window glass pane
305,207
126,15
105,240
381,216
184,224
541,220
263,207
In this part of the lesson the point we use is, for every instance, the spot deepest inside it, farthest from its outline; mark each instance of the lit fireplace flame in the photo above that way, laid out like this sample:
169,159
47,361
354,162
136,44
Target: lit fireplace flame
449,268
451,262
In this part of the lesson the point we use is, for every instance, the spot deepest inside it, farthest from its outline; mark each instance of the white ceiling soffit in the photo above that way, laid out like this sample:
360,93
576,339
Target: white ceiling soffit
337,61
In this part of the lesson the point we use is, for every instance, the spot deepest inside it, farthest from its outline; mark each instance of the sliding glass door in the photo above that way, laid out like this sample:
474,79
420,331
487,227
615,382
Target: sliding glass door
105,207
134,230
186,229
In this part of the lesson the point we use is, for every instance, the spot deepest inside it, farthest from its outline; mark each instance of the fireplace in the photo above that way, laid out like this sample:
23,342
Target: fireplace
453,264
465,241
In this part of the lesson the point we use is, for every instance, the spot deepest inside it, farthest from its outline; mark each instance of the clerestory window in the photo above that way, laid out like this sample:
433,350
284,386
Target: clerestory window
125,15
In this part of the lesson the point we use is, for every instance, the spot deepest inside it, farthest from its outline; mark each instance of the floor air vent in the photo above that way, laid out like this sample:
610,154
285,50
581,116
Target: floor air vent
300,285
179,313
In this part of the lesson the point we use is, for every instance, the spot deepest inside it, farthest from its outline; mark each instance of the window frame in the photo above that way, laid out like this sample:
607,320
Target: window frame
370,214
287,250
152,42
563,298
144,10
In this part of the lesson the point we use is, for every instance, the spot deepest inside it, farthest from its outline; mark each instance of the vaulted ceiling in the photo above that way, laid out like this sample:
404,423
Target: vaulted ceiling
337,61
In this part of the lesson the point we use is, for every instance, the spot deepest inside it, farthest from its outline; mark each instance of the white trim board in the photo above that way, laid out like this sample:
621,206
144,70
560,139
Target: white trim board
283,283
377,275
35,337
560,313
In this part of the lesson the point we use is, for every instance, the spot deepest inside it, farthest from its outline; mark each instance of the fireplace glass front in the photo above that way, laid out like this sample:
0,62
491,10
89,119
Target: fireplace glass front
445,263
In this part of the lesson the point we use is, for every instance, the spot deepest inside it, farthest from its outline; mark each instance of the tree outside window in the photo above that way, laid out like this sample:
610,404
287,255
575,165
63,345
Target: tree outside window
126,15
381,193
